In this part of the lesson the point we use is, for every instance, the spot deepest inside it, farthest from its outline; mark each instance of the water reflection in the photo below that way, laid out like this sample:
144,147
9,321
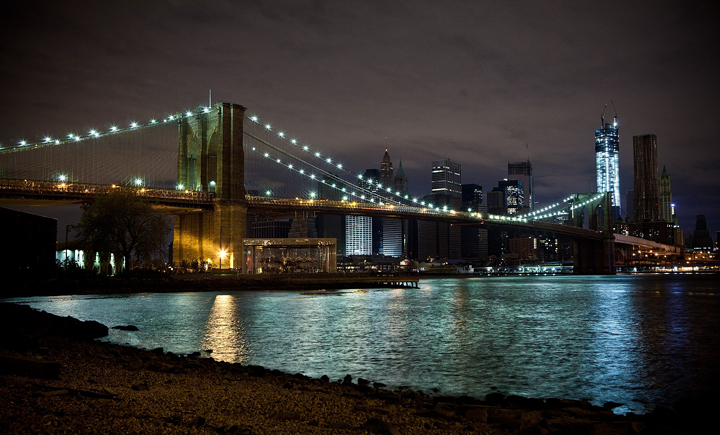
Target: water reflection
225,332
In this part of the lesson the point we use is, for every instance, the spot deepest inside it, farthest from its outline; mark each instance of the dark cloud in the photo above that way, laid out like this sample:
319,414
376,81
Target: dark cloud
472,81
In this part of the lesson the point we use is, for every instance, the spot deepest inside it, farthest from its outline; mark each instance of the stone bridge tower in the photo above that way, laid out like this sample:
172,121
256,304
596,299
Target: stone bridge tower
211,159
595,257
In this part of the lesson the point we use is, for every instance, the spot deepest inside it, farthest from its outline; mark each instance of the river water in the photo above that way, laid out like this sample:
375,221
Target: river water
638,340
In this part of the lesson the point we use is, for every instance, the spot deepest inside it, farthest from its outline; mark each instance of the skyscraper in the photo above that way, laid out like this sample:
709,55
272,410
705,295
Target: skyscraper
666,212
386,171
446,178
401,181
647,199
522,171
607,163
358,235
701,236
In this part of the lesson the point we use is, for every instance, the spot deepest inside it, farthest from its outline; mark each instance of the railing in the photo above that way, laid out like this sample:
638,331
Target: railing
60,189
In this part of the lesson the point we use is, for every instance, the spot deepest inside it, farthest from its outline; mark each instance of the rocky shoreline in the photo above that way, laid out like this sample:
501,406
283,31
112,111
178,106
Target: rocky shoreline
54,378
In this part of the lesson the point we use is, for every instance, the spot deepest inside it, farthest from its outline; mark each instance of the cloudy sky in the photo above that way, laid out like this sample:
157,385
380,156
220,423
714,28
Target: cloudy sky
472,81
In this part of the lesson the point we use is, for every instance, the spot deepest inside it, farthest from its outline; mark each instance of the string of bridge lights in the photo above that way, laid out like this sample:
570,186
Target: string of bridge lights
114,129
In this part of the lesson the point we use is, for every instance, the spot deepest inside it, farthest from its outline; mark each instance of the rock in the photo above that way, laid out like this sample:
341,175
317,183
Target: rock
611,405
444,410
126,327
140,387
362,381
208,351
347,379
379,385
55,393
158,350
380,426
494,398
325,378
477,415
110,392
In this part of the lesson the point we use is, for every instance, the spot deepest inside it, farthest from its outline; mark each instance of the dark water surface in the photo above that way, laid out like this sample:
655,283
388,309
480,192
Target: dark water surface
632,339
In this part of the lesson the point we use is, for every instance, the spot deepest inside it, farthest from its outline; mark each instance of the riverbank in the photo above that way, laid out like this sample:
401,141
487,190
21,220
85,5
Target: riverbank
193,282
57,379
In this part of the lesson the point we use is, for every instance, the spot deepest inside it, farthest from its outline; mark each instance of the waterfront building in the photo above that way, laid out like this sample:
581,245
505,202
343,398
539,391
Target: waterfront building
446,179
28,244
607,162
666,208
439,239
358,235
647,199
523,171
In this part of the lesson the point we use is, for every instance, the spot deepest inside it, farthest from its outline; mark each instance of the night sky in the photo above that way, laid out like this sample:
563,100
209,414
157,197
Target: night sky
467,80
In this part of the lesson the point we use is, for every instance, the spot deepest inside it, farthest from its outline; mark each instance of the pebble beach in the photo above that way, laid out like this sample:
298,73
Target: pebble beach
56,378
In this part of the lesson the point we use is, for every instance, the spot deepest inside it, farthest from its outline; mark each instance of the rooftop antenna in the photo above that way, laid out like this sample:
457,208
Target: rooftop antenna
615,113
602,116
210,99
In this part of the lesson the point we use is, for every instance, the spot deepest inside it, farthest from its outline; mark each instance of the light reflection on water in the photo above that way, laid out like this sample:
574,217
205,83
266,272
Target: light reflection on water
636,340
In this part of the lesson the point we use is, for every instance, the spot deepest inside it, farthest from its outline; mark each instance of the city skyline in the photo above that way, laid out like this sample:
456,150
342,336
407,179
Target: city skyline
470,82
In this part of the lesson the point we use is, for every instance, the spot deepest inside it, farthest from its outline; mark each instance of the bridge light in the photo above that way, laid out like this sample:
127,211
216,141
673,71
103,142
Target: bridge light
414,199
278,160
293,141
113,128
171,117
305,147
281,134
267,155
362,196
48,139
133,124
329,160
138,181
268,193
77,138
290,166
267,126
360,177
206,110
62,177
343,189
372,199
312,194
345,198
422,202
57,142
23,143
334,185
406,197
253,118
317,154
180,187
312,176
302,171
339,165
253,148
188,113
389,189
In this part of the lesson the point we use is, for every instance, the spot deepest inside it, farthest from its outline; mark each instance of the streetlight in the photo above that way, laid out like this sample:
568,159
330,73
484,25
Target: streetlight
223,253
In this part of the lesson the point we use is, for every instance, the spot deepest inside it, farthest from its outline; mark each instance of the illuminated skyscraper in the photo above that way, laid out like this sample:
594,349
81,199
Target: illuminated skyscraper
607,163
446,178
522,171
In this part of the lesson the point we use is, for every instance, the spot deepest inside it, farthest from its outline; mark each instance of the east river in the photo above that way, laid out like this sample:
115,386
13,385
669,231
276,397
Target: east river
638,340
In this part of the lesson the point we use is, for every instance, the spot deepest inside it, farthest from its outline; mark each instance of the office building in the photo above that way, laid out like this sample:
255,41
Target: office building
630,205
386,172
496,201
439,239
666,208
358,235
446,178
401,181
607,162
647,198
514,191
472,197
522,171
701,239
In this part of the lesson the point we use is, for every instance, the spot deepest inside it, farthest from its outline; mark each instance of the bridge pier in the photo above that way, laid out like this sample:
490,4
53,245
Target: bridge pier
596,257
211,159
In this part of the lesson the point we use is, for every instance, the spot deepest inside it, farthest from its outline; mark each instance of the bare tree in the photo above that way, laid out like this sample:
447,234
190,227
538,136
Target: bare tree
124,223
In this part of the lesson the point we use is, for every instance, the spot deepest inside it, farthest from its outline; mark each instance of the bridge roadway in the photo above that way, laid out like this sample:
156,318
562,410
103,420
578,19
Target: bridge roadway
35,192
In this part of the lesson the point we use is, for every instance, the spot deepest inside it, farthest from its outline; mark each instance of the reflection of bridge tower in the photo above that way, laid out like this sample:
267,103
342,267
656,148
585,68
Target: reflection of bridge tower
211,159
594,257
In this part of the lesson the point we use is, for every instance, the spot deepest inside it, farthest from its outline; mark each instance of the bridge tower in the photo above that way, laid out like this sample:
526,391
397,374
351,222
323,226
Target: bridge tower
593,257
211,159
